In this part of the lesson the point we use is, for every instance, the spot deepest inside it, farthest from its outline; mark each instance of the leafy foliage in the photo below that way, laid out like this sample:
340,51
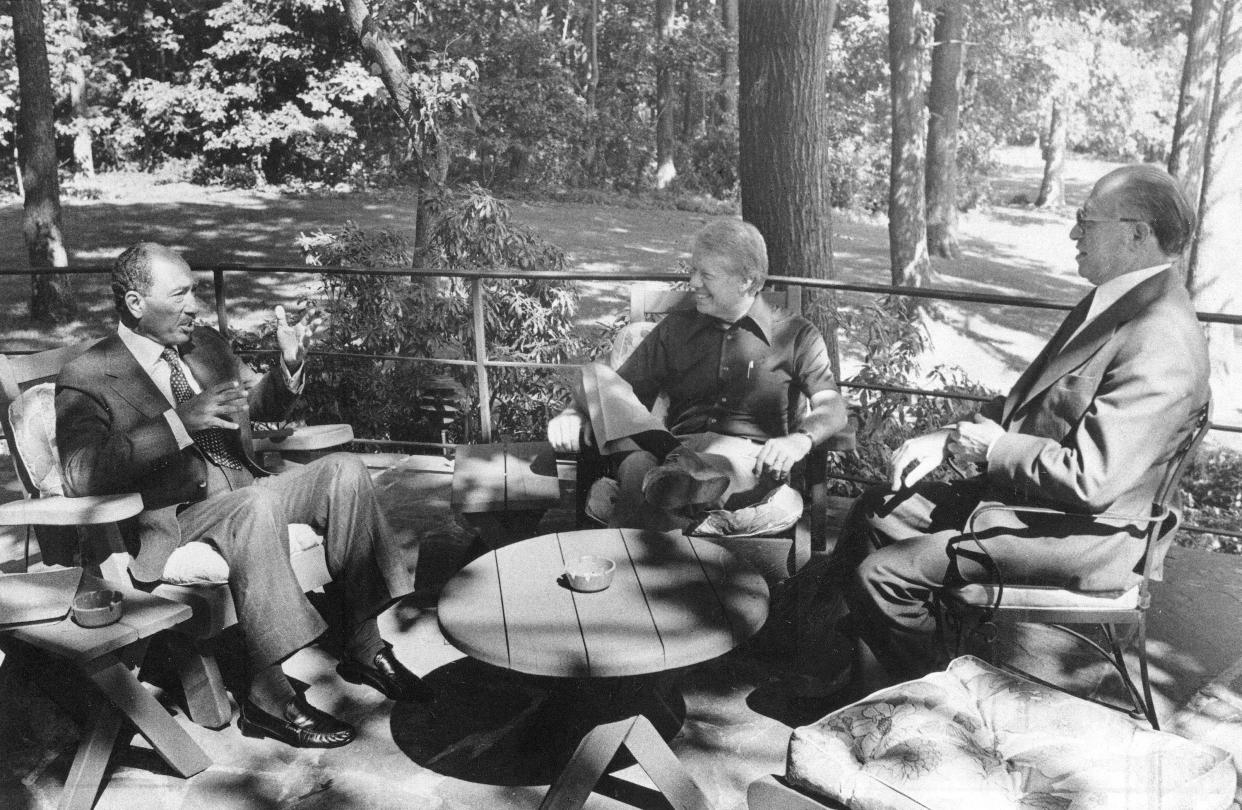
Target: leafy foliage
382,316
894,339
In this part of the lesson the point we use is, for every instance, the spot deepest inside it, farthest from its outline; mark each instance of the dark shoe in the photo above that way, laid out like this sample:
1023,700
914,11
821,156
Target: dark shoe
684,479
303,726
388,676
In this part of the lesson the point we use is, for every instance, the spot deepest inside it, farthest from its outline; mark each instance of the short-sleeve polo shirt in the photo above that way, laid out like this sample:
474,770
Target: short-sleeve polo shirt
750,378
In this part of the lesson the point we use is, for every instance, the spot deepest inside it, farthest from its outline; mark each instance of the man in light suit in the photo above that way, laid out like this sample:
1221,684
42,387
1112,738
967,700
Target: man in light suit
1089,427
163,408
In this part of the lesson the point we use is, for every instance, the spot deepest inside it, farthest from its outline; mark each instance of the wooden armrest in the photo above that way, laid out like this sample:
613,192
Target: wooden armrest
309,437
58,510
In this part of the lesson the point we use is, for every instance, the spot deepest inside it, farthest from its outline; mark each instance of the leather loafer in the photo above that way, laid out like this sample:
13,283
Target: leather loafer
388,676
303,726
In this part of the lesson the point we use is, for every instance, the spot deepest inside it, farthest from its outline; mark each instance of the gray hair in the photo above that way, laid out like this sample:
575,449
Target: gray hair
740,243
132,271
1154,195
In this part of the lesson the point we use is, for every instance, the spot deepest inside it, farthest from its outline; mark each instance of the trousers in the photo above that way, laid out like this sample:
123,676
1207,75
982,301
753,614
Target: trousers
248,520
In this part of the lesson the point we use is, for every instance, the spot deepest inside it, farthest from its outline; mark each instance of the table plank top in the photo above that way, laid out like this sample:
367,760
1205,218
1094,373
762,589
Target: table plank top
145,615
674,601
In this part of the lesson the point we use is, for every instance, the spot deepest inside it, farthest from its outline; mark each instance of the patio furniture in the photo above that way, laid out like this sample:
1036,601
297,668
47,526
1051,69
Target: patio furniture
109,656
27,407
978,738
673,602
997,603
503,489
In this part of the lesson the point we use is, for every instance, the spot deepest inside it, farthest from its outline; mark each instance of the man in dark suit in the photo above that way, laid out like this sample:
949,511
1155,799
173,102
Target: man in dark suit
161,408
1089,427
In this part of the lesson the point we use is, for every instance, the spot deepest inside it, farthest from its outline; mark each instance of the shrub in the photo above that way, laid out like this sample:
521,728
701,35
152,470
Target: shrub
382,316
894,339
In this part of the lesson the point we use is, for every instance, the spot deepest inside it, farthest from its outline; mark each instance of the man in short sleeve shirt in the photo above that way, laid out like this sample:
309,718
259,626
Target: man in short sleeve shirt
749,392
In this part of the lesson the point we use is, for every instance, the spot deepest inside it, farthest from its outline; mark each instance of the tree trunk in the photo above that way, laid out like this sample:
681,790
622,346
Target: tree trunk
689,108
590,34
726,99
665,125
907,216
51,298
1212,161
944,103
782,63
75,66
1194,101
1052,188
384,60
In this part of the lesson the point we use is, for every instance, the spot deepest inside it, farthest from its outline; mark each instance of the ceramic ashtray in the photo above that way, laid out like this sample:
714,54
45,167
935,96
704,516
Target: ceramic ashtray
98,608
590,573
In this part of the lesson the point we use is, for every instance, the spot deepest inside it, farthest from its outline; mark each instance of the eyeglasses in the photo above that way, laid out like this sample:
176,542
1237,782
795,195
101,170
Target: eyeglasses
1081,218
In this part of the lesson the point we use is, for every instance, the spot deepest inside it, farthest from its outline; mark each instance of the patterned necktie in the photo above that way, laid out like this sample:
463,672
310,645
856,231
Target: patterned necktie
212,440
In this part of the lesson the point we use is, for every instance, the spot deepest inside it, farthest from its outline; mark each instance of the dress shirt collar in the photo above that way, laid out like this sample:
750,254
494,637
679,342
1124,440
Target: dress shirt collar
145,350
1111,291
758,319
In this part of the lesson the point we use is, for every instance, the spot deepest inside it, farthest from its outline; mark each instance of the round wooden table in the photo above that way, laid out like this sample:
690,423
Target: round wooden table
674,601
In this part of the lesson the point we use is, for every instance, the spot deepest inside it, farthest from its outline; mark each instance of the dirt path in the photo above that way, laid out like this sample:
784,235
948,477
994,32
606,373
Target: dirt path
1006,248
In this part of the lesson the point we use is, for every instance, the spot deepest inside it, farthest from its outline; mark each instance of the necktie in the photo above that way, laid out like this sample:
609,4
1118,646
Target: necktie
212,440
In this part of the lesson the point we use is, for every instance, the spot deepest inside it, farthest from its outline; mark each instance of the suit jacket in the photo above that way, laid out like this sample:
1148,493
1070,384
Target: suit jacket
113,437
1092,428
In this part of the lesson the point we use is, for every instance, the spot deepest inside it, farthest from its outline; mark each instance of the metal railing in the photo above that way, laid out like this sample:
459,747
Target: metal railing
481,363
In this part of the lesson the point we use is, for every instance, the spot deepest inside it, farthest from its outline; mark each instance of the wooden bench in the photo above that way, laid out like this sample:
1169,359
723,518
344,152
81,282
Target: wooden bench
503,490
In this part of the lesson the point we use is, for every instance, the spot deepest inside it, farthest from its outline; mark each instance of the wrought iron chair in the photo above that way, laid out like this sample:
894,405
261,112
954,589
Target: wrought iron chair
983,606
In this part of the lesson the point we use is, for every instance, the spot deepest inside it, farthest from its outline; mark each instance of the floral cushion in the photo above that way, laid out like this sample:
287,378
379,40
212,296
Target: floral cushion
33,419
977,737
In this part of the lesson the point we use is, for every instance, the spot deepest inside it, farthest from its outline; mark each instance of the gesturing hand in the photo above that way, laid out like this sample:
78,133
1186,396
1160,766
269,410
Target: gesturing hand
295,340
216,407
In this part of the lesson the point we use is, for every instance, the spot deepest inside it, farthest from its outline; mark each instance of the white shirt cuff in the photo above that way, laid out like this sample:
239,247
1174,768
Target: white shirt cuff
178,428
992,446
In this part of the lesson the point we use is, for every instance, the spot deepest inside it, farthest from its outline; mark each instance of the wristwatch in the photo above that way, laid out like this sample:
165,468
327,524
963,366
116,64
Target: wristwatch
806,433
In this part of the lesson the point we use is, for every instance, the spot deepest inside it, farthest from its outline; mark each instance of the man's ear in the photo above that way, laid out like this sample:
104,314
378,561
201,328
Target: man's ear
135,305
1142,230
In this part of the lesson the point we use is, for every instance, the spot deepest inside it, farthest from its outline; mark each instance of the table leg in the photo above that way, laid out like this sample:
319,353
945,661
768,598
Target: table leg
584,769
91,759
114,675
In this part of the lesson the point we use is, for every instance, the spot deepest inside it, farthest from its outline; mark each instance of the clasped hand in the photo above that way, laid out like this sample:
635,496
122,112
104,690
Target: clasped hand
965,442
216,407
295,340
779,454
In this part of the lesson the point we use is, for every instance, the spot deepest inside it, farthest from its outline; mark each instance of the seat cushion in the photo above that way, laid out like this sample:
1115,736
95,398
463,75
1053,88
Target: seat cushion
1042,596
201,564
33,418
976,737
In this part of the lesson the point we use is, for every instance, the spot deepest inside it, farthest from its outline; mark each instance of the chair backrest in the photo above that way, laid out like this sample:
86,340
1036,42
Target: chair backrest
1161,535
655,300
19,374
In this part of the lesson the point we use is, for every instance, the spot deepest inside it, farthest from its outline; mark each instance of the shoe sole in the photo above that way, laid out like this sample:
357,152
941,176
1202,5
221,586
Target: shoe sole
677,491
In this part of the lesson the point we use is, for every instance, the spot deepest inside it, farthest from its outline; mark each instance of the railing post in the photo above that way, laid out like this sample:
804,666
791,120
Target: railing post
480,360
222,312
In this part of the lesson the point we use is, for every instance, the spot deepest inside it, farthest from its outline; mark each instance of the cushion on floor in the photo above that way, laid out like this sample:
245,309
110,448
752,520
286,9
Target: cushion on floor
977,738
